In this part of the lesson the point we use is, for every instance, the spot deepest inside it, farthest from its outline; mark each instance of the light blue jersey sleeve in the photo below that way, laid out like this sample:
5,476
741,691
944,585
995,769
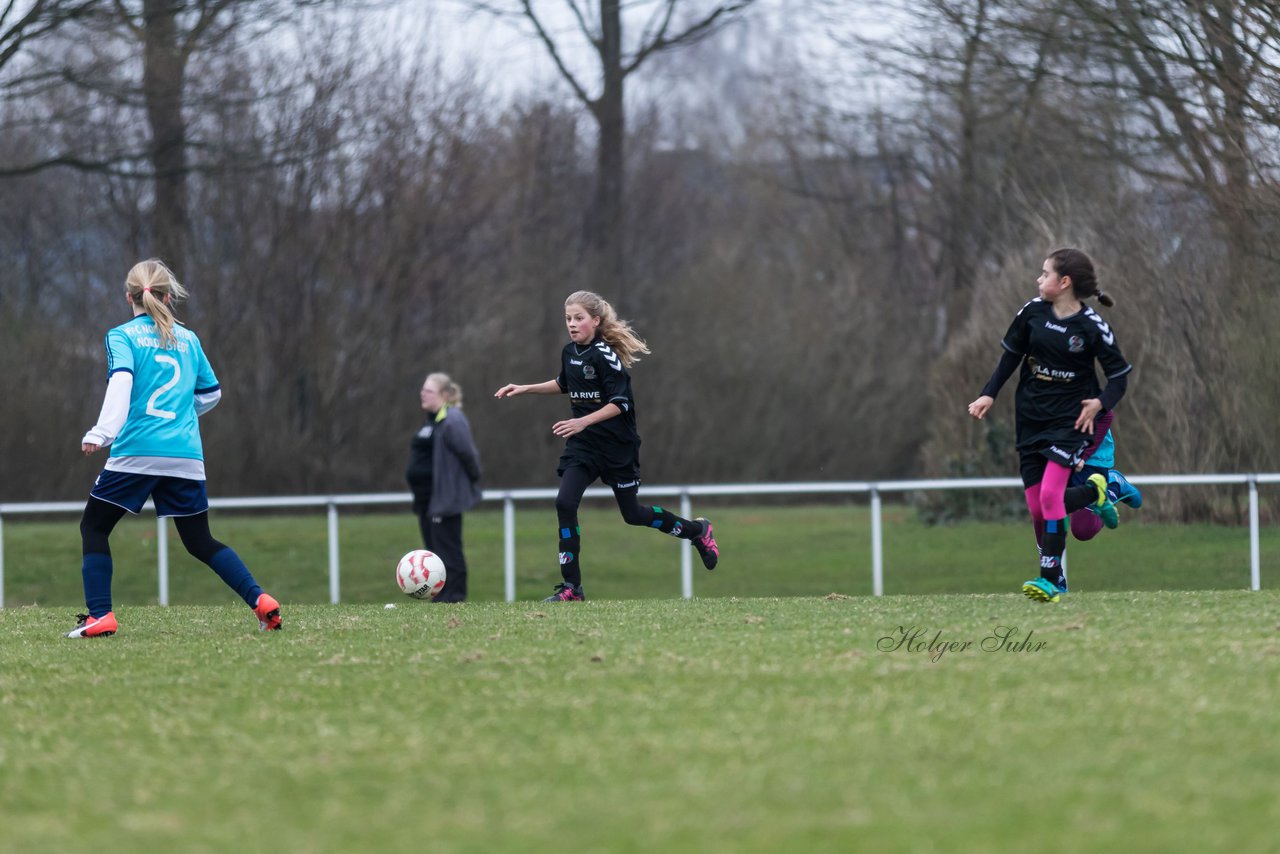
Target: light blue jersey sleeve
162,418
119,352
206,380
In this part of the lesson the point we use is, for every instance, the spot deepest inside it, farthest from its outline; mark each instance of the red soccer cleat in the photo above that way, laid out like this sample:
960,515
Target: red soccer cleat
94,627
268,613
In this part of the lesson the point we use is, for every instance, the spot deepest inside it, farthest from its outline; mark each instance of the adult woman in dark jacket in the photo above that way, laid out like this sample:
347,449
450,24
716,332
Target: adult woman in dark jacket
443,472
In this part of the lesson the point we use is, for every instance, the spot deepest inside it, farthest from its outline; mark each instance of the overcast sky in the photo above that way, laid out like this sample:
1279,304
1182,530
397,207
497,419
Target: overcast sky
507,54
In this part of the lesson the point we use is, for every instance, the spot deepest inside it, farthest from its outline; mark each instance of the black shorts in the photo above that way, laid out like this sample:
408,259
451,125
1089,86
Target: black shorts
1080,478
1040,443
619,471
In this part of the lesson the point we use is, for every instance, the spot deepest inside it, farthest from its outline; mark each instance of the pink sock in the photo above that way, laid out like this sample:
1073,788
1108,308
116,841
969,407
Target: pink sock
1053,488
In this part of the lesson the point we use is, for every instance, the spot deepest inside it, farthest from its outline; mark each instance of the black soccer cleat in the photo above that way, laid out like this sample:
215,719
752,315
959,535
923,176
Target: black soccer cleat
567,593
706,545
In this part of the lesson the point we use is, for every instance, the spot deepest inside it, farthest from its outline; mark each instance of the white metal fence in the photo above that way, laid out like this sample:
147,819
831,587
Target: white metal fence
686,494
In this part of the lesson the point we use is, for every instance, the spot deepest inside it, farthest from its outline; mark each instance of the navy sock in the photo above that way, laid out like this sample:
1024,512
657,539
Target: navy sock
236,575
95,569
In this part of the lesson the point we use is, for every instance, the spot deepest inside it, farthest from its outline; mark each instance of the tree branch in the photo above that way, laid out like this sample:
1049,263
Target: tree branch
690,35
550,45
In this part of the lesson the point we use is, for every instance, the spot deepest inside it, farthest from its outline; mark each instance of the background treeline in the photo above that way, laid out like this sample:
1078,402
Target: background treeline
823,249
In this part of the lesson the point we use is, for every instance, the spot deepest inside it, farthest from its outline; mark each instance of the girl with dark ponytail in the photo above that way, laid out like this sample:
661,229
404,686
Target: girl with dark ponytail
1076,266
1055,339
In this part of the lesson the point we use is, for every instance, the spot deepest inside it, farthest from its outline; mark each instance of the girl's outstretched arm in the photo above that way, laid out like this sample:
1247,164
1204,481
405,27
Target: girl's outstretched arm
565,429
512,389
1008,363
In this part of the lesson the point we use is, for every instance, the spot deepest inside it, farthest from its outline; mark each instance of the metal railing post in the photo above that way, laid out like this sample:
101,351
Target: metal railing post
683,492
162,559
509,548
1255,559
877,550
686,551
334,568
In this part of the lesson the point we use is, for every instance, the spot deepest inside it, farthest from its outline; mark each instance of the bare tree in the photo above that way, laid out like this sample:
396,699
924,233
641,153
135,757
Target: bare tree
1200,78
601,24
138,61
39,19
1198,72
169,33
961,89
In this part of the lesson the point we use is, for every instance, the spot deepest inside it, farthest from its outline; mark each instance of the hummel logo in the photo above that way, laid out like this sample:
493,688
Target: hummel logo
609,356
1107,335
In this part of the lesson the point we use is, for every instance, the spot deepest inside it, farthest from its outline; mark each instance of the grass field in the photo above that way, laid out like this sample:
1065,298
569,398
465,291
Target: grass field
1144,722
776,712
768,551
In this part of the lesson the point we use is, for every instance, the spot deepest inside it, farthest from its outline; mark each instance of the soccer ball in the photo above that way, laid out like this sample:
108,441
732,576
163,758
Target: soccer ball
420,574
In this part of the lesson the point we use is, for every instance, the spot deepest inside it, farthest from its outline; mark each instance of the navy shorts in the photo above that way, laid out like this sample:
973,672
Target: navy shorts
1080,478
174,496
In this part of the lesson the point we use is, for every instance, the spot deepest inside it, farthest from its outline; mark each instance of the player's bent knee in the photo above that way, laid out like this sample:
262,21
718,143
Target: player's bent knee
637,517
202,548
567,506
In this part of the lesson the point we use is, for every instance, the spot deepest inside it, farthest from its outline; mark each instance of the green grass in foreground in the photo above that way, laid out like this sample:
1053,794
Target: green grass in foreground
1146,722
767,551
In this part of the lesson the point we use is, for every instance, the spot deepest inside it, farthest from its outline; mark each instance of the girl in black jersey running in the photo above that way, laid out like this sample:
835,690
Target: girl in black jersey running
602,441
1055,339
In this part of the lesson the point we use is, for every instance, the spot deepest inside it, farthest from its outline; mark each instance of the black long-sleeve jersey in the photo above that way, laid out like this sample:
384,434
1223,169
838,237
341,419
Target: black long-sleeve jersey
593,376
1057,370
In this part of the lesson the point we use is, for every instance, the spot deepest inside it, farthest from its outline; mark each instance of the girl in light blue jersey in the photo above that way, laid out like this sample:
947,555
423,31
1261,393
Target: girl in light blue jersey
1087,522
158,384
1100,459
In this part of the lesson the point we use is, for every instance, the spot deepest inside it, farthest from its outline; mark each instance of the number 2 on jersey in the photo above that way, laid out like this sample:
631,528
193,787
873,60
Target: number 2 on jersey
151,401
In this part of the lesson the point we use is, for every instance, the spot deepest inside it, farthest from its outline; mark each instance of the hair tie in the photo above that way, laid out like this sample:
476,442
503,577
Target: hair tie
146,290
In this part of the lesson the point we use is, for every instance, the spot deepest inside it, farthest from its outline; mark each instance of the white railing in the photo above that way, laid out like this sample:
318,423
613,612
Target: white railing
686,494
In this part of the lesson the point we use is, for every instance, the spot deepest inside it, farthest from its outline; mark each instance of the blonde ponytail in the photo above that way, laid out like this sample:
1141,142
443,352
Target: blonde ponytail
148,283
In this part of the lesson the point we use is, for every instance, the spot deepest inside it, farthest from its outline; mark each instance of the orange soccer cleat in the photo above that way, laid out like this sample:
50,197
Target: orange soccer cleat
268,613
94,627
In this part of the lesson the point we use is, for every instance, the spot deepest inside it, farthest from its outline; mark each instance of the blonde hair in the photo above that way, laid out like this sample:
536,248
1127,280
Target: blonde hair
450,392
618,334
147,284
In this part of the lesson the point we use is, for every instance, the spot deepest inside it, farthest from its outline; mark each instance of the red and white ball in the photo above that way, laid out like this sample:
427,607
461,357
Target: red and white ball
421,574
